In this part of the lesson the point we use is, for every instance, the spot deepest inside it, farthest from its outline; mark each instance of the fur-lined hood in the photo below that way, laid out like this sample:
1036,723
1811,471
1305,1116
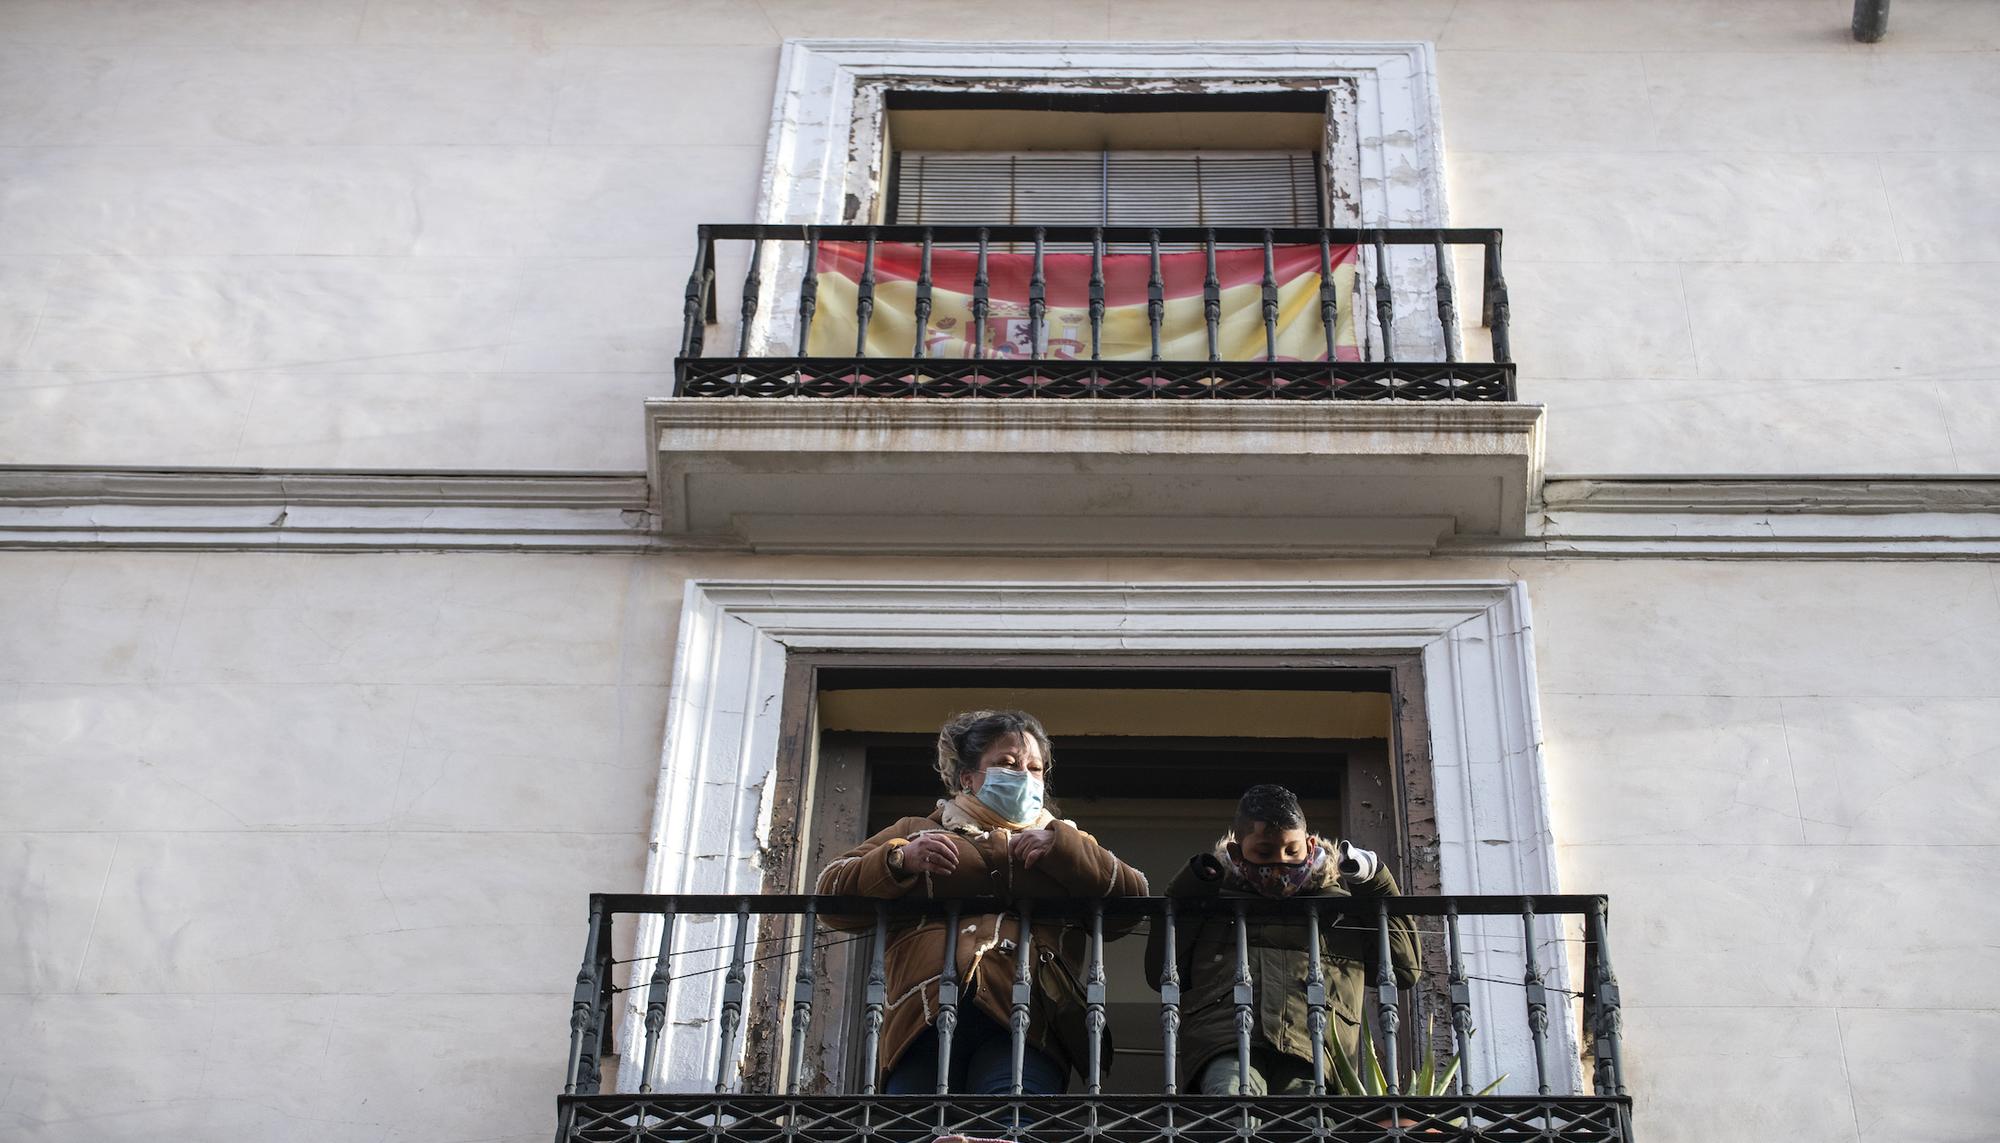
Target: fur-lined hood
1329,870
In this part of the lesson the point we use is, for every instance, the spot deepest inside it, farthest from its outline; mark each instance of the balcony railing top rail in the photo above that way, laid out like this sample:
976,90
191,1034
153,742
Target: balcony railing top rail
1344,313
775,956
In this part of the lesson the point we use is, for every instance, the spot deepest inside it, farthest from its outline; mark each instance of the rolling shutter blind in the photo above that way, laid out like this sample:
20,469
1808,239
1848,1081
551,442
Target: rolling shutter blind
1110,188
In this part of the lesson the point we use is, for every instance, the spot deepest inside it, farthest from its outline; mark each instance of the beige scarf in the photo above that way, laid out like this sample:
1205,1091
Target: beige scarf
968,812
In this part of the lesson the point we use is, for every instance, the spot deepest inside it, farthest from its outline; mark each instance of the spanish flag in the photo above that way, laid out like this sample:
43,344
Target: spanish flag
1301,333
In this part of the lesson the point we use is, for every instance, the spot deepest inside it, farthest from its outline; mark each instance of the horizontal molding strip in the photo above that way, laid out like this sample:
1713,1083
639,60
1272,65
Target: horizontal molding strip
1868,517
230,509
1735,517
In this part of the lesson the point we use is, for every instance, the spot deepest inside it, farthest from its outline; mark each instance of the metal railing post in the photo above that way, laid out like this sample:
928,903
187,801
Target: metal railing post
658,994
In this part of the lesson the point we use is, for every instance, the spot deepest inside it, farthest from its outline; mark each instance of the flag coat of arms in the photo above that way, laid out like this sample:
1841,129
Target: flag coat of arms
892,331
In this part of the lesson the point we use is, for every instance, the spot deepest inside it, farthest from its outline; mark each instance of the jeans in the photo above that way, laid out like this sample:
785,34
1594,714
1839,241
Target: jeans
982,1062
1271,1073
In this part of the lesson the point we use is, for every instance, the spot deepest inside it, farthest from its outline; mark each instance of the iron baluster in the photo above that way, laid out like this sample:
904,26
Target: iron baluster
1156,294
1329,302
864,299
980,301
1315,998
1017,1014
1461,1000
875,996
753,284
1447,309
1385,996
923,304
658,991
1244,994
732,1000
591,1078
947,1017
1270,294
1038,302
583,1004
696,300
1385,306
808,304
1610,1020
802,999
1496,304
1537,996
809,289
1170,1000
1211,300
1097,296
1093,998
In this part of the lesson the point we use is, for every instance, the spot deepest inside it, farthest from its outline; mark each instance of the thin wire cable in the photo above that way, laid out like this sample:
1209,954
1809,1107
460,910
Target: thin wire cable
783,952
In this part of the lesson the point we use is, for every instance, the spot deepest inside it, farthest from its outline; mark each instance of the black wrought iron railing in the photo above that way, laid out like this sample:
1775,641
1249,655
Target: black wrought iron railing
747,1019
1217,313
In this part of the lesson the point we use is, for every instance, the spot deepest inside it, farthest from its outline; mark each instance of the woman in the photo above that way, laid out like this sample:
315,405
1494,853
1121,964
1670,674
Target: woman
993,837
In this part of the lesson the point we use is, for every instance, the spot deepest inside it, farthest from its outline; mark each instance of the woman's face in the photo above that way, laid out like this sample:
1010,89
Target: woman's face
1008,752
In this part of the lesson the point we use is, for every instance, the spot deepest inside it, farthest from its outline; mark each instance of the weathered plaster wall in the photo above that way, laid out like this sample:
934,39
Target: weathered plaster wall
405,233
297,846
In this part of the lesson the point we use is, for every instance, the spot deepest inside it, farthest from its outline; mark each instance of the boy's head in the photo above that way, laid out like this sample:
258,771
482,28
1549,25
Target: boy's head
1270,828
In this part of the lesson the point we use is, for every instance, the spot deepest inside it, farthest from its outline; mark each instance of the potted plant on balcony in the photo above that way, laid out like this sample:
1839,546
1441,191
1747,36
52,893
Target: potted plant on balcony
1430,1077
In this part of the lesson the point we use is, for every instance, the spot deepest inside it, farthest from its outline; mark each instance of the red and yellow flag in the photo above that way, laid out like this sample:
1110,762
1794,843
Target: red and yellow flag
1301,336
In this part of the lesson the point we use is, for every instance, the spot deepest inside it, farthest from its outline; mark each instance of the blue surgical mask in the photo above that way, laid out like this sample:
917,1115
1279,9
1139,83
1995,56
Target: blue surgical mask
1013,794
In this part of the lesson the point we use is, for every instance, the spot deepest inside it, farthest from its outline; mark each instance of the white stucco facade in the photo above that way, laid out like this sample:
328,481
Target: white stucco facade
295,844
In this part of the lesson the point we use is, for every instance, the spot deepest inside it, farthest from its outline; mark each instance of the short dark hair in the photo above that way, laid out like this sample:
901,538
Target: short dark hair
964,737
1273,805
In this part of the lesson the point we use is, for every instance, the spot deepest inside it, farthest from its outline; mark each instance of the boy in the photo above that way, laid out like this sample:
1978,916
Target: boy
1271,853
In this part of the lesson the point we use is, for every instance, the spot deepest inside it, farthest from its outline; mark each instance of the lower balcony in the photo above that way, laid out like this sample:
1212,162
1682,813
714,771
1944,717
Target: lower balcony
745,1019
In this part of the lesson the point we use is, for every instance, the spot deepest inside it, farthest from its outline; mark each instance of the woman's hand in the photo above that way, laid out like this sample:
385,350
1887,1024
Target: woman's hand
1029,845
930,853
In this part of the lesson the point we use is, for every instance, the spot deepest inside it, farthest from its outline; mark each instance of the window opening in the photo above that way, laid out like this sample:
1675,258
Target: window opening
1151,762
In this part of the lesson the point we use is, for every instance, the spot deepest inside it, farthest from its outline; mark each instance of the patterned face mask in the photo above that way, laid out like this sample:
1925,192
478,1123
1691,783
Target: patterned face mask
1278,878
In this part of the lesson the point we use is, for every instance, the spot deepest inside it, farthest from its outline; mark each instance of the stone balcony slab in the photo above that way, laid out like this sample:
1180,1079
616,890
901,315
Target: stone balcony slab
1275,478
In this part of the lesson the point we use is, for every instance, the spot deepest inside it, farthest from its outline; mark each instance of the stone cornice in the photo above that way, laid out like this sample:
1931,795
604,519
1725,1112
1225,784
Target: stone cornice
1868,517
222,509
1783,494
1728,517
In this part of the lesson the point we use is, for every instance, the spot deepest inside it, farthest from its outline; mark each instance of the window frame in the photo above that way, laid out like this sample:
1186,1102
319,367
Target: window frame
826,153
820,781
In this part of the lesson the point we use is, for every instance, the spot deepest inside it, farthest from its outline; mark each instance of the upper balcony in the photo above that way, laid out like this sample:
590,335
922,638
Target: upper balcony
1094,389
749,1019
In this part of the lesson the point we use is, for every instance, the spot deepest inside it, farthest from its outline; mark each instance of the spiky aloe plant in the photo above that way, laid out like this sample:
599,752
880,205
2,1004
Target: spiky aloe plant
1427,1079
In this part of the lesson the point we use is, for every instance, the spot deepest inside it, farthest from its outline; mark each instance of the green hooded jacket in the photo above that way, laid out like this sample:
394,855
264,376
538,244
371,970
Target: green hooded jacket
1205,954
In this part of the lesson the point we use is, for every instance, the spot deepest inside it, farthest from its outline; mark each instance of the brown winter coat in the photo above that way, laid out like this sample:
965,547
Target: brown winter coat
1076,866
1205,954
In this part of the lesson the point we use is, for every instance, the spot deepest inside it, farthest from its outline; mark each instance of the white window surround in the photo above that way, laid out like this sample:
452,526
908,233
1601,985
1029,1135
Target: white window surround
712,816
823,160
